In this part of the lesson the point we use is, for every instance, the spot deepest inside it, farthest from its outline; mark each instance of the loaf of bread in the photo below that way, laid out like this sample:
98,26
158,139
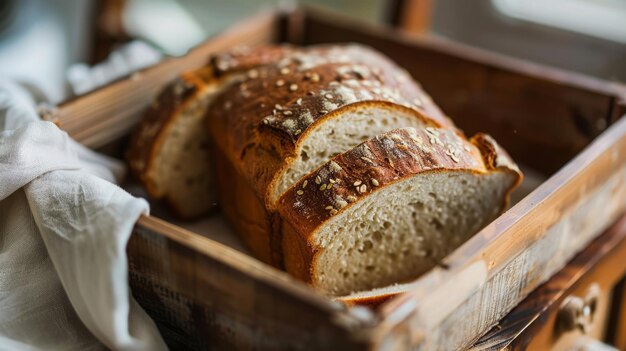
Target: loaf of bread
331,162
291,116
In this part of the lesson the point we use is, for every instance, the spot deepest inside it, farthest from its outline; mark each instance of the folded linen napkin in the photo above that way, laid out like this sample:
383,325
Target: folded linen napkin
64,226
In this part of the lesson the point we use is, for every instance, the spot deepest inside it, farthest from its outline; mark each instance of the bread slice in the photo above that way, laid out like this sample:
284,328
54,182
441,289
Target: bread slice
169,151
375,297
391,208
290,117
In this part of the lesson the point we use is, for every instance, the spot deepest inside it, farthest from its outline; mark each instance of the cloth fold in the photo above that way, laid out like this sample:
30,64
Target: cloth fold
64,226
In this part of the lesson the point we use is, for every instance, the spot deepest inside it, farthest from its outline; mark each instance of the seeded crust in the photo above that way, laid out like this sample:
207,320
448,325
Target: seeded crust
370,167
275,106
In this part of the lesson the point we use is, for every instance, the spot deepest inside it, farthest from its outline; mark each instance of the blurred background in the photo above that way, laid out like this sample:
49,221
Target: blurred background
51,44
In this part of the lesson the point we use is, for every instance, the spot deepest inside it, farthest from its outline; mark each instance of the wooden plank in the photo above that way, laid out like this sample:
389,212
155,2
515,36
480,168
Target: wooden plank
205,295
109,112
618,334
503,263
411,15
601,263
543,116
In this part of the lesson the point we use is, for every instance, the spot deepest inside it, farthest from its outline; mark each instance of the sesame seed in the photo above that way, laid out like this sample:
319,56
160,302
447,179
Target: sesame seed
265,121
298,132
278,107
285,70
310,93
328,96
315,77
293,87
328,208
333,212
351,198
366,159
323,112
280,83
363,188
299,192
332,181
318,180
299,101
357,183
375,182
305,183
253,74
341,203
323,187
287,113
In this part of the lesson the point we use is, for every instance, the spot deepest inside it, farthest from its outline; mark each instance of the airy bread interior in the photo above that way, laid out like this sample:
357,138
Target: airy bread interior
345,131
182,168
423,218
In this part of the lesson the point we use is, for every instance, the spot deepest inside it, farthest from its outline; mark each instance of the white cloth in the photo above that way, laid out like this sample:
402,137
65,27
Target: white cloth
64,227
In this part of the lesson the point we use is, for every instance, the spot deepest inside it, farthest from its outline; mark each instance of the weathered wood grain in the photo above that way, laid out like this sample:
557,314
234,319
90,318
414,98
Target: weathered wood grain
203,295
601,263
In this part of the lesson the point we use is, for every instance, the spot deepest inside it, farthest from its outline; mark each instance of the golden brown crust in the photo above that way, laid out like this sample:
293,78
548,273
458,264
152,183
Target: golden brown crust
275,105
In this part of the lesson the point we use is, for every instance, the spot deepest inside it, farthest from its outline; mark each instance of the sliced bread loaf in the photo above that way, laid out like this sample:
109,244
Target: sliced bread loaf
392,207
287,118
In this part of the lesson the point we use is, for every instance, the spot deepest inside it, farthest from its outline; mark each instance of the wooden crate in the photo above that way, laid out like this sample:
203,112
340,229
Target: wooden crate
564,125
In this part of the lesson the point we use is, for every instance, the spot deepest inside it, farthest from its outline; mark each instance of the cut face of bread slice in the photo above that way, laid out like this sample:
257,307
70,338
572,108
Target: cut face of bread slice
391,208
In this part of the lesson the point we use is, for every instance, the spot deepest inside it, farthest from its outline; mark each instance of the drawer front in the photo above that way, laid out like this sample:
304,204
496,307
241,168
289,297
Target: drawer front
582,315
581,303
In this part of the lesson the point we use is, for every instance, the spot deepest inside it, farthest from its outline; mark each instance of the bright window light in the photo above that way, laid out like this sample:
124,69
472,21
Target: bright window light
599,18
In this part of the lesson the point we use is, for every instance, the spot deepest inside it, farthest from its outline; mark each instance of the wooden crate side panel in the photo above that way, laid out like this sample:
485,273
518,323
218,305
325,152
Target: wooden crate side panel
600,263
542,116
202,303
